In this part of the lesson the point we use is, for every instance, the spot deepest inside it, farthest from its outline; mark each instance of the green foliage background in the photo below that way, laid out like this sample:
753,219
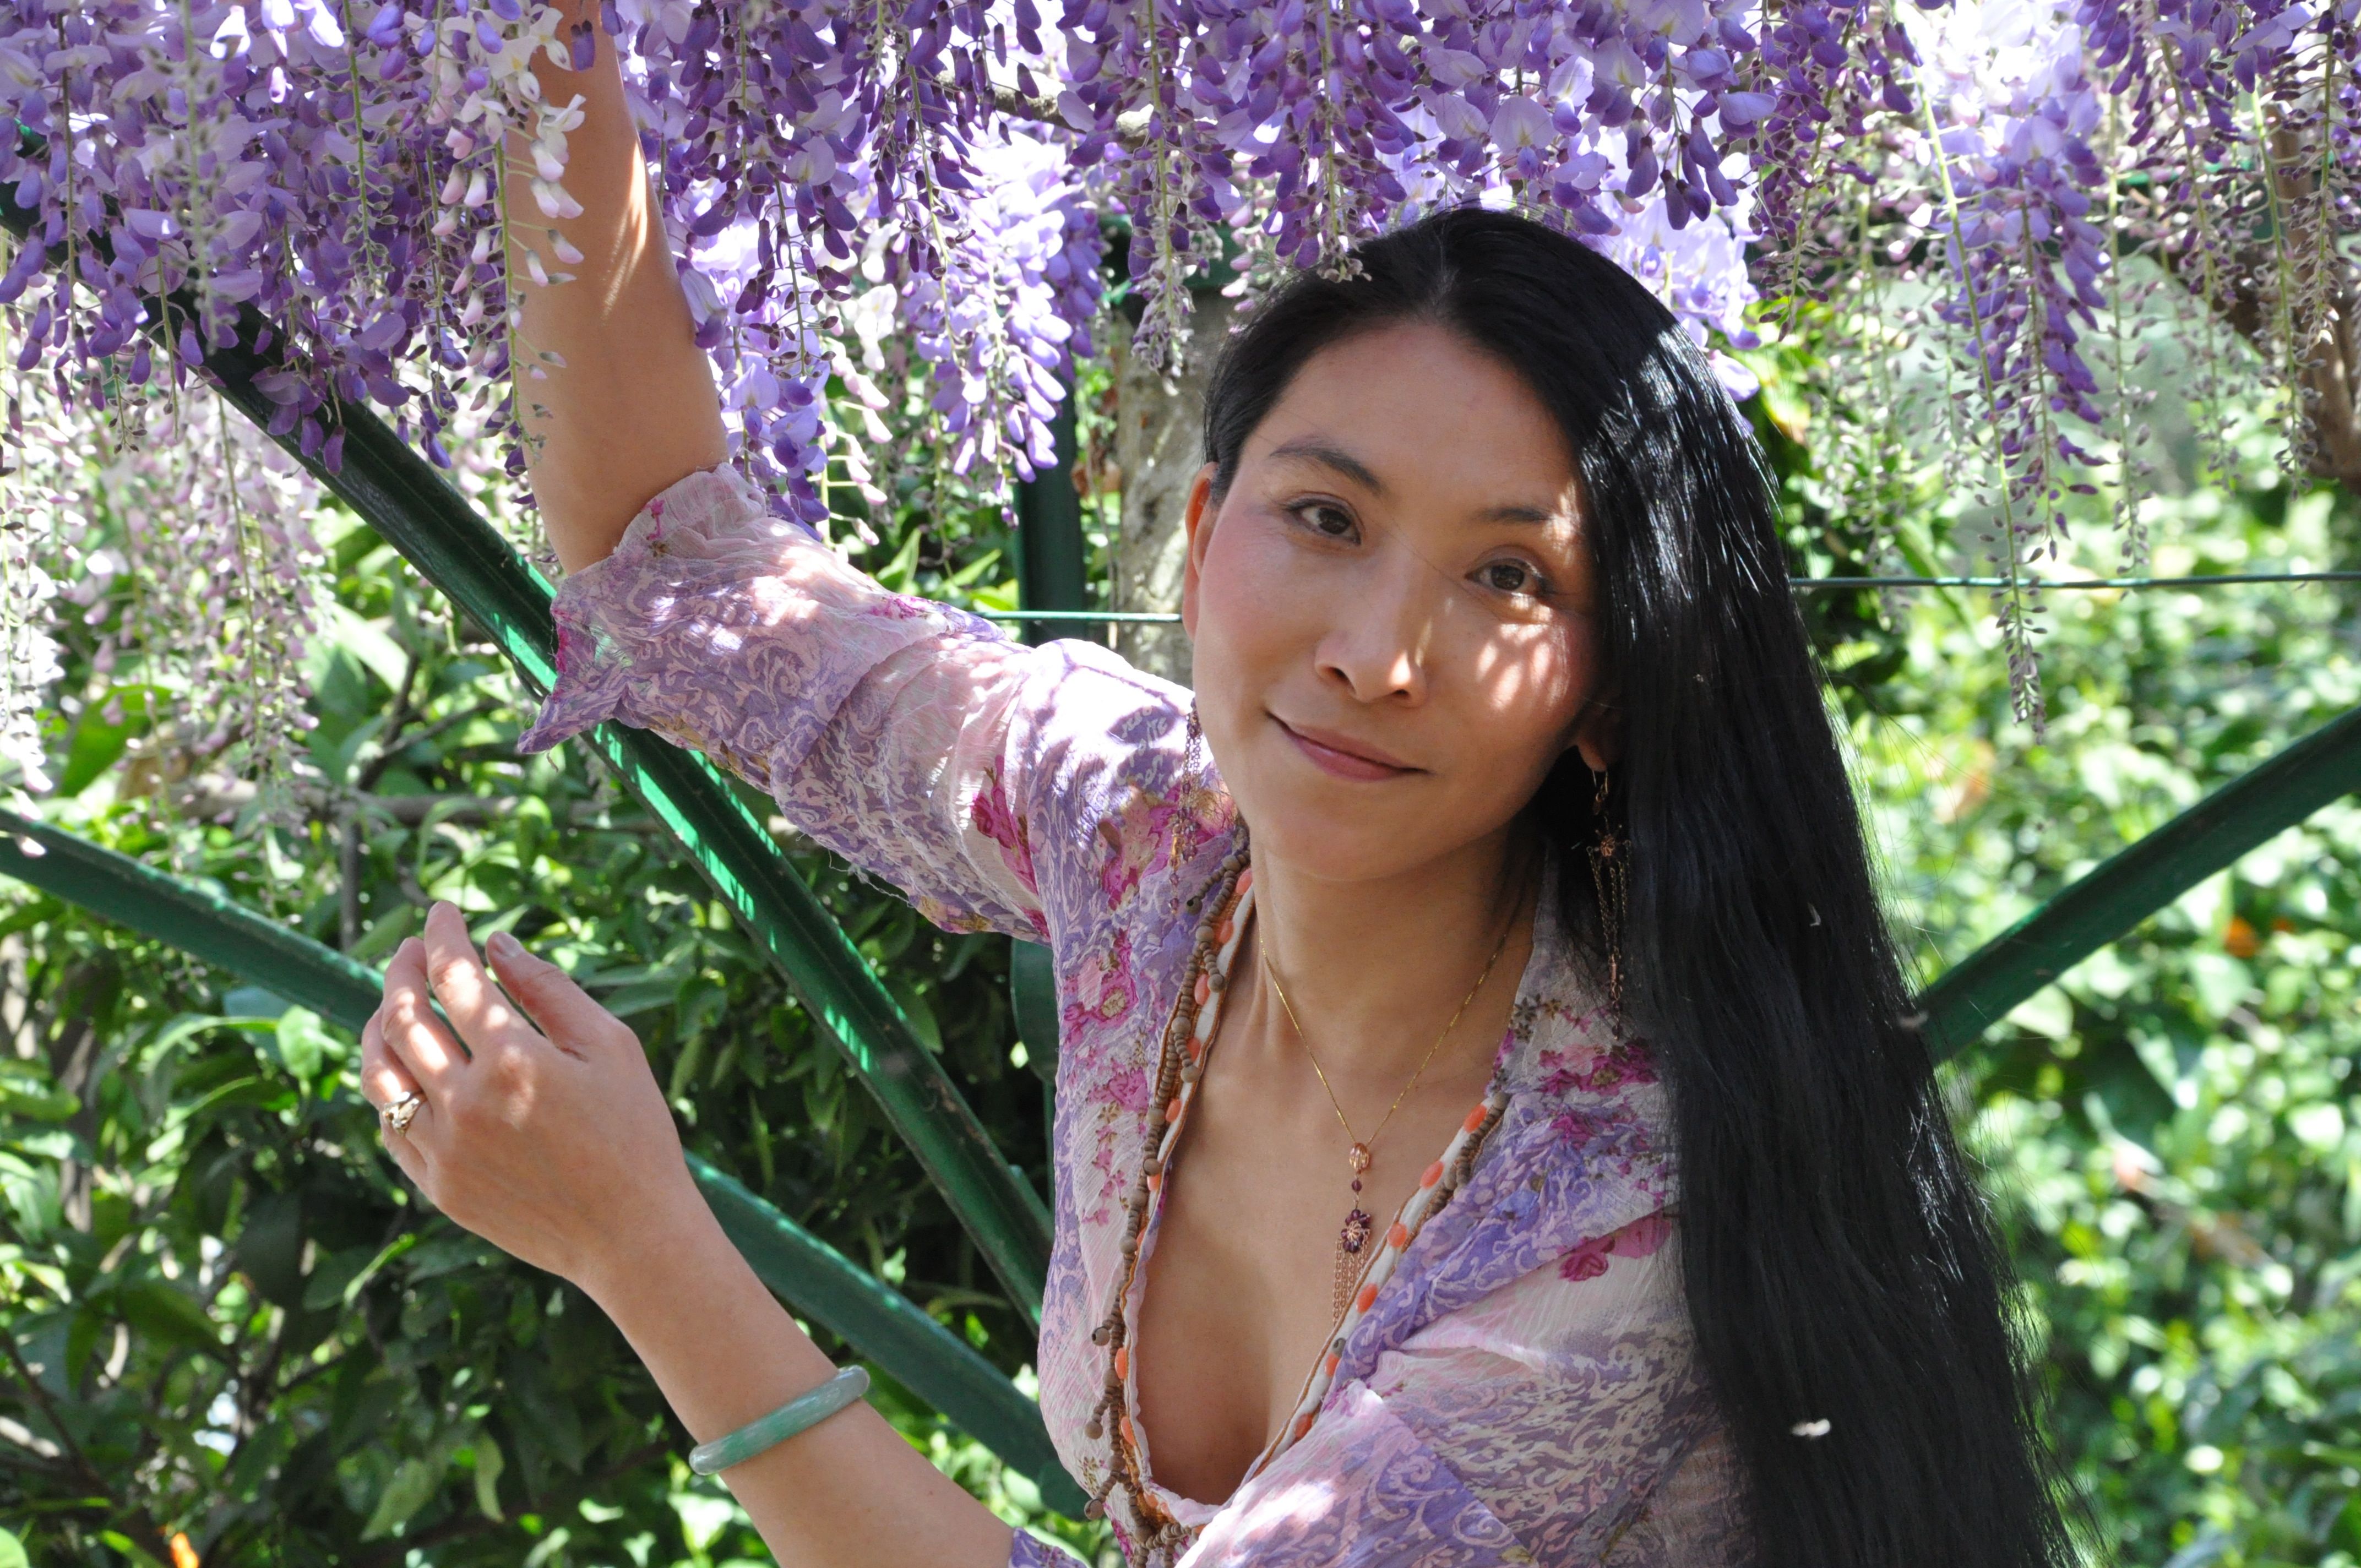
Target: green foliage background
227,1320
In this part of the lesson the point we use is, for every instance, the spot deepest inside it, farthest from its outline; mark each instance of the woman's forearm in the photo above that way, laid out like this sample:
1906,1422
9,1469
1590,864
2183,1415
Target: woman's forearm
848,1492
632,407
548,1135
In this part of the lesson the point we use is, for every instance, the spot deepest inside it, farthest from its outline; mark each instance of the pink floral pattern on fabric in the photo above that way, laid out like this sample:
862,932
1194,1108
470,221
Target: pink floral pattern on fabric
996,822
1592,1069
1103,993
1149,831
1640,1238
1522,1388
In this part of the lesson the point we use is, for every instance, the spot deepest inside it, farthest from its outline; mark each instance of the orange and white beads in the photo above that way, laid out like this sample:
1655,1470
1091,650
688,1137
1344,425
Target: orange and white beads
1188,1040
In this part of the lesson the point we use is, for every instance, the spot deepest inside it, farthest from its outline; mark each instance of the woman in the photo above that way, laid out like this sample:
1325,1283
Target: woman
1490,1124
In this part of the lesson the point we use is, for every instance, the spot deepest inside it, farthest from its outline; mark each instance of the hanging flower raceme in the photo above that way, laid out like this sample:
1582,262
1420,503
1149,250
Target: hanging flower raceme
2064,136
2014,111
184,562
342,176
328,177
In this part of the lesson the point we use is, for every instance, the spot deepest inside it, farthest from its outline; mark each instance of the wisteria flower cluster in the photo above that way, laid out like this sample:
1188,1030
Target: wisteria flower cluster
901,209
342,174
2212,141
178,541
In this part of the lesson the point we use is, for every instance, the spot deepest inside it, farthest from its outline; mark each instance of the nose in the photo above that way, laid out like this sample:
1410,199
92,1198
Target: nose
1382,633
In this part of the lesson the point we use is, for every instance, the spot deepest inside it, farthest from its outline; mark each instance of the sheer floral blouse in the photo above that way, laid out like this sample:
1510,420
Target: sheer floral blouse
1514,1381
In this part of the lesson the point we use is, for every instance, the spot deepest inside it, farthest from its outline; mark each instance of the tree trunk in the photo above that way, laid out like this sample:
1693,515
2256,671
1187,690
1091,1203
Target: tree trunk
2333,410
1160,446
2324,363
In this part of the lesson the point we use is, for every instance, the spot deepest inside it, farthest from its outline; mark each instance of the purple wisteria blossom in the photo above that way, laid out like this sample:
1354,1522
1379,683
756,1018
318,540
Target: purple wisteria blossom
2063,136
935,176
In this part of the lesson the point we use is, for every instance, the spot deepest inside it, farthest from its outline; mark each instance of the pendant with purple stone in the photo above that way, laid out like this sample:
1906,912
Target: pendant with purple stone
1356,1234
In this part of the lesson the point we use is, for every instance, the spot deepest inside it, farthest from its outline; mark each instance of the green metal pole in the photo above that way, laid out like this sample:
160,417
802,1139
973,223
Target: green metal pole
1979,990
413,509
806,1272
882,1325
1053,560
1052,575
197,920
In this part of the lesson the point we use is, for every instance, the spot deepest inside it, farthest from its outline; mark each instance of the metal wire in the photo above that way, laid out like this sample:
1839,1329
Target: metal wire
2211,579
1801,586
1117,616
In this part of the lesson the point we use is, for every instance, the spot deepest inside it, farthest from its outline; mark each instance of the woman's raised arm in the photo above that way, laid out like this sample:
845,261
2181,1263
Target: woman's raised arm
632,406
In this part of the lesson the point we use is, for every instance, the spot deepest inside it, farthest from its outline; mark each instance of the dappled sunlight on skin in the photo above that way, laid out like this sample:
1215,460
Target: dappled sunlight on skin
1399,566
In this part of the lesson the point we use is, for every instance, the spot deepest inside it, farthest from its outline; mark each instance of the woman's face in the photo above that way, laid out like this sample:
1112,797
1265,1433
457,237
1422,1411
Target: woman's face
1394,608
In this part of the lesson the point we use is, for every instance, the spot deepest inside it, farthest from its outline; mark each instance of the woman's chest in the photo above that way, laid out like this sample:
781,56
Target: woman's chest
1261,1236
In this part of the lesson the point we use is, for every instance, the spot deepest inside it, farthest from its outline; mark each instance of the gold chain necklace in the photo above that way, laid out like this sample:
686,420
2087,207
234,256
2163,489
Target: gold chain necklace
1358,1227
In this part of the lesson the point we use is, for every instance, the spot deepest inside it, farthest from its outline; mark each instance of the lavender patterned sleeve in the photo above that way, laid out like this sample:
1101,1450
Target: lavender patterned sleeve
1031,1552
895,730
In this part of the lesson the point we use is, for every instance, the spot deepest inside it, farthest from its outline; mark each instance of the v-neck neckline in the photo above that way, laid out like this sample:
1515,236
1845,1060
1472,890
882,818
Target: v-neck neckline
1208,995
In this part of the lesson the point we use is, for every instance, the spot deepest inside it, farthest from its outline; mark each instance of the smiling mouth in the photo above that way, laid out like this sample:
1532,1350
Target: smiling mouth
1344,758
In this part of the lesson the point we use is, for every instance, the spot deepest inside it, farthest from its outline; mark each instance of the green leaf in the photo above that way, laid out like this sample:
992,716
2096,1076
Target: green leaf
36,1104
97,745
448,1253
413,1482
897,573
386,935
155,1308
303,1044
250,1090
366,640
12,1552
140,1556
253,1002
920,1013
490,1463
628,1001
270,1250
338,1279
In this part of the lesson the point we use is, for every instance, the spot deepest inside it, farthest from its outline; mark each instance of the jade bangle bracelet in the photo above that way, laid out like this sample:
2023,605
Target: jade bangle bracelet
804,1410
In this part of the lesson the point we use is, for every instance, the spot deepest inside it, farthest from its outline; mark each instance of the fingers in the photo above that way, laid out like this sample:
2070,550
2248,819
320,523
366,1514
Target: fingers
384,1079
559,1008
384,1082
413,1037
476,1007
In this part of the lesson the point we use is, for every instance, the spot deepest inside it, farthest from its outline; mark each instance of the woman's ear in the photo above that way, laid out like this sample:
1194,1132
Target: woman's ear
1199,523
1598,733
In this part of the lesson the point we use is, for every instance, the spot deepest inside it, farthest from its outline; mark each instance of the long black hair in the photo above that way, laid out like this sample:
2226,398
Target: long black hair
1839,1263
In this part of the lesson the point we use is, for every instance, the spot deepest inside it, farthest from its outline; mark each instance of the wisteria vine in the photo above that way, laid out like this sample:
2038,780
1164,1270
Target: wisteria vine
902,209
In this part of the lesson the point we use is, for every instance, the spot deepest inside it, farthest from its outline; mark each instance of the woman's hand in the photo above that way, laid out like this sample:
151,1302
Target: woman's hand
543,1129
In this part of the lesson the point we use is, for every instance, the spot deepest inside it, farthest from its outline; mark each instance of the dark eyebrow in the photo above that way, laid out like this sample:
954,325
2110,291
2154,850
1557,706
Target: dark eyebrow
1517,514
1335,457
1317,451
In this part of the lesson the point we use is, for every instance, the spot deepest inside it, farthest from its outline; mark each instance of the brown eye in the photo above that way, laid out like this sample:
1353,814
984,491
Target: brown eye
1325,518
1510,578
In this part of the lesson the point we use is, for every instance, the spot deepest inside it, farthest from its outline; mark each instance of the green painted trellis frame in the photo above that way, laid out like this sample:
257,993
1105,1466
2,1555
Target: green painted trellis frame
925,1357
1979,990
811,1276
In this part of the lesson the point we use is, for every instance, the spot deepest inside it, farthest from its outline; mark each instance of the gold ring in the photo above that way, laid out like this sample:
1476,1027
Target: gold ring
398,1116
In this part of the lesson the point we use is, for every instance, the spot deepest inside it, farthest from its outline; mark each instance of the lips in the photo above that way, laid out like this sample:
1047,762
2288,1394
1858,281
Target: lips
1343,757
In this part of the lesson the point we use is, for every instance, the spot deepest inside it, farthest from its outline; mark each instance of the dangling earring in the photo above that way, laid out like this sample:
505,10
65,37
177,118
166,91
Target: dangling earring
1189,740
1610,857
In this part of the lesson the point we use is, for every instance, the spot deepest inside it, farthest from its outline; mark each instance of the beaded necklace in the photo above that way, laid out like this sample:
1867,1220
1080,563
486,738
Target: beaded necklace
1355,1234
1188,1037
